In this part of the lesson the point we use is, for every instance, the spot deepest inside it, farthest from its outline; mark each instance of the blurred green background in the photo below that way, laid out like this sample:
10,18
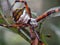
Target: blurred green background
7,37
51,25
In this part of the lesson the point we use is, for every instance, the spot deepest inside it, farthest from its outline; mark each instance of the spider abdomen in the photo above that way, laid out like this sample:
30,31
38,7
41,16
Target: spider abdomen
17,13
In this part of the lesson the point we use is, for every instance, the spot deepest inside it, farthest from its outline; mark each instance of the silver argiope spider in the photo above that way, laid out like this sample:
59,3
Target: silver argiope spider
23,18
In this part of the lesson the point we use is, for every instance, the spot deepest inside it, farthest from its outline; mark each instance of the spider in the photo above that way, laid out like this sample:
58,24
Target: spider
23,18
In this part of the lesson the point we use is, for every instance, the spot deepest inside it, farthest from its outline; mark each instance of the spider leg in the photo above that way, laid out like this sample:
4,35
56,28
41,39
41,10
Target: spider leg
35,39
27,8
47,14
14,3
32,35
4,25
12,25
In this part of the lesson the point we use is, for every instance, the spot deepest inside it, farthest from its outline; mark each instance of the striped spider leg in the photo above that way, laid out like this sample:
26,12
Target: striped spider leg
47,14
